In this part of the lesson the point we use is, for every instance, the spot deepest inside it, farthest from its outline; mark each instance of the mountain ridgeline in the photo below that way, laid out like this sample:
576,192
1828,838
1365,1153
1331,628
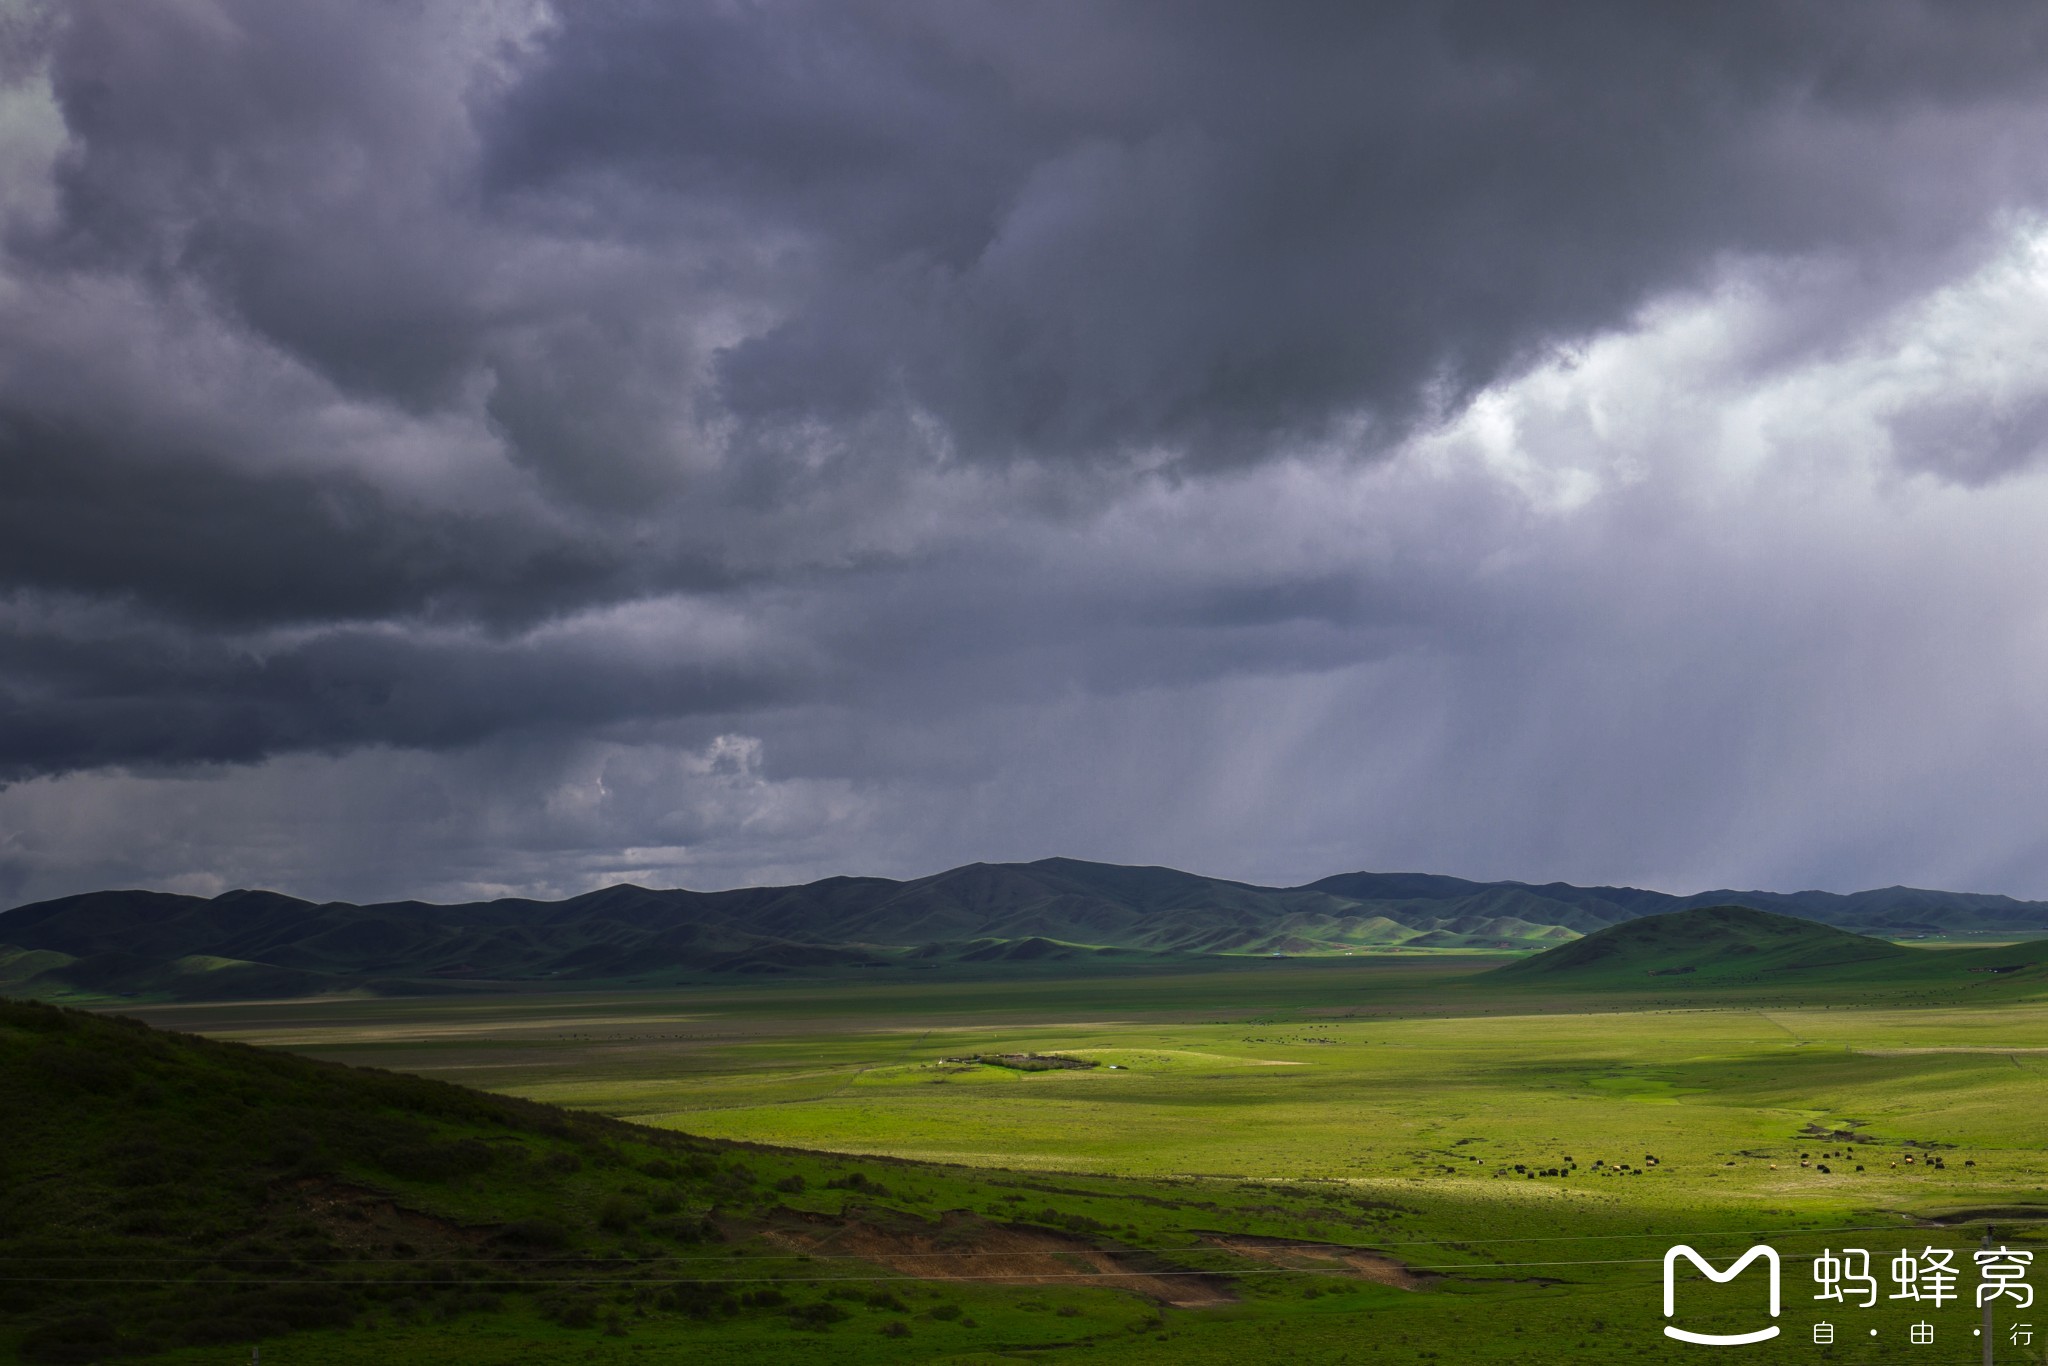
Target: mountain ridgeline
256,943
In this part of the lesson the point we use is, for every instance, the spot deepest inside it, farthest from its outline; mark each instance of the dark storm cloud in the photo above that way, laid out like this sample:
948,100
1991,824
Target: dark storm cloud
131,516
154,696
296,162
1219,229
369,367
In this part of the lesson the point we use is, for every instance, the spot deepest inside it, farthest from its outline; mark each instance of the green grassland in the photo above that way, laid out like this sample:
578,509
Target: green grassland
1317,1091
1361,1103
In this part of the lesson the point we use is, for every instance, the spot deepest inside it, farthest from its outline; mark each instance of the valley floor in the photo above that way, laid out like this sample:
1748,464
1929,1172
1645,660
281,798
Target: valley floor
1528,1159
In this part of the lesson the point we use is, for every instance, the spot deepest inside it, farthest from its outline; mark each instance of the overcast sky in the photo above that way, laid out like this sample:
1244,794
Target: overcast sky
452,450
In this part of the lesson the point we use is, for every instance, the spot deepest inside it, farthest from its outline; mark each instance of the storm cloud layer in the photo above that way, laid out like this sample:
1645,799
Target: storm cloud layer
454,448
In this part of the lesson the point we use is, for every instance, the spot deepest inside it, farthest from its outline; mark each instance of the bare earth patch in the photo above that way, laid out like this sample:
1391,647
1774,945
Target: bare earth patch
365,1220
1331,1258
962,1247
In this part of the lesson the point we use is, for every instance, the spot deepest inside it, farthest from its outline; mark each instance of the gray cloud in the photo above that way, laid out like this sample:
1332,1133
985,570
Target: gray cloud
1138,430
1220,231
1974,438
122,692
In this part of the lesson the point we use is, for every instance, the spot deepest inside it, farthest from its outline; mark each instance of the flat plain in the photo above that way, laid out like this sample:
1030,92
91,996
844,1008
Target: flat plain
1561,1140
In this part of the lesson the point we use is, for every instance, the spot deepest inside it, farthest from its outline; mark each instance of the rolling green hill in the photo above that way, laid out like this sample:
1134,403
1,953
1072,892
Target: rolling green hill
1718,947
253,944
1710,943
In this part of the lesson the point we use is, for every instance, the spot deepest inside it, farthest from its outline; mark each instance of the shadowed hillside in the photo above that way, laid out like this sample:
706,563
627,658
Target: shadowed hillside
246,944
1734,946
1712,942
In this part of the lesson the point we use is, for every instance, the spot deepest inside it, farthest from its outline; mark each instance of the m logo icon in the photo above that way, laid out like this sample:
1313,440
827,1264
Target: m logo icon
1770,1255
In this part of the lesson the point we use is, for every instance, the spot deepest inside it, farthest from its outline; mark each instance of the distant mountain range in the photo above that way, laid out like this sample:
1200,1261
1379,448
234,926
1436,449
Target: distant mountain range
254,943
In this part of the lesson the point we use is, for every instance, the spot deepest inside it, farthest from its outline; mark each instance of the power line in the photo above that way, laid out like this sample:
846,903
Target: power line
1027,1277
1326,1247
1134,1274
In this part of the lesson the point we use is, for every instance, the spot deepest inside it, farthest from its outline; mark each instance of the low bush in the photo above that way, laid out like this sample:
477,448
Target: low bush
817,1317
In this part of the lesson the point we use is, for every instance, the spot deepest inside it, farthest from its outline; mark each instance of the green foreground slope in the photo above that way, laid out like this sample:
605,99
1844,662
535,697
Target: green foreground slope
166,1196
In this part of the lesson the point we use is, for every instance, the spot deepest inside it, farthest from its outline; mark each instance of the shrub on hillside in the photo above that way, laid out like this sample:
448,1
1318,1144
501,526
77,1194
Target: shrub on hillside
817,1317
686,1230
88,1337
619,1213
541,1234
570,1309
436,1161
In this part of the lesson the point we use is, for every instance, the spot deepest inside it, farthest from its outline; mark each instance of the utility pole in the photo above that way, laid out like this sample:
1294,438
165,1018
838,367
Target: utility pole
1990,1346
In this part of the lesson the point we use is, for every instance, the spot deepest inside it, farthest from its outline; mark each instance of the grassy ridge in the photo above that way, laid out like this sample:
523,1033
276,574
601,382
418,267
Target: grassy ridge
303,1196
298,1194
1723,948
1715,945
